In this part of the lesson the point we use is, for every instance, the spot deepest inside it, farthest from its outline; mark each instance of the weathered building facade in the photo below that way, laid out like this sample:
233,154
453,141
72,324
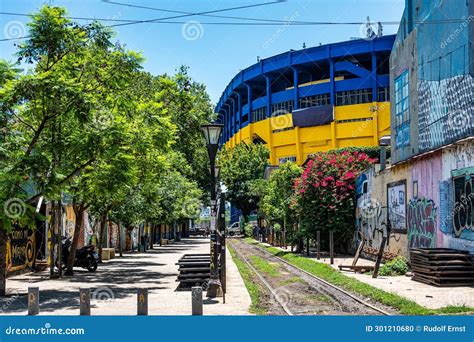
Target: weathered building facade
425,197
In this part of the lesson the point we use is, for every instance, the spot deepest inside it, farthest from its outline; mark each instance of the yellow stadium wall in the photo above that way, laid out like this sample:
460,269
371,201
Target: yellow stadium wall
348,129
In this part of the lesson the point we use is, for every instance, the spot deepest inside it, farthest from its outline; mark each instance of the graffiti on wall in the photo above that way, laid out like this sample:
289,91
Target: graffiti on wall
371,217
396,200
463,215
445,111
21,249
421,223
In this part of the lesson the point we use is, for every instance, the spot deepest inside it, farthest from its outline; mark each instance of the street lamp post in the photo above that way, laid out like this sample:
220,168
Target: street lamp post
212,133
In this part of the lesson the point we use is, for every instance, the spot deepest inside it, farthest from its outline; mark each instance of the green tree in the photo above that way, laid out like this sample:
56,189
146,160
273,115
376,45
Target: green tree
241,168
47,111
189,106
85,121
276,201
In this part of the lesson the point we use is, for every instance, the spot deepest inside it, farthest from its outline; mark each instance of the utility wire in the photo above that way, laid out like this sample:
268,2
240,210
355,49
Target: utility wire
201,13
290,22
267,22
204,15
177,16
270,23
263,22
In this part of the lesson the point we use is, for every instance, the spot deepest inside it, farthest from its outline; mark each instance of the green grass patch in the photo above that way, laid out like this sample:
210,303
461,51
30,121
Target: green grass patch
326,272
254,289
291,281
264,266
320,298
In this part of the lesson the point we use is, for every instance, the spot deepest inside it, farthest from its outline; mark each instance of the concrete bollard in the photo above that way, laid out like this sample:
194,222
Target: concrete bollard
196,300
33,301
142,302
85,302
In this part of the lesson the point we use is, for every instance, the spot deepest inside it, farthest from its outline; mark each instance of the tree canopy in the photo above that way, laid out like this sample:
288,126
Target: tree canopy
241,168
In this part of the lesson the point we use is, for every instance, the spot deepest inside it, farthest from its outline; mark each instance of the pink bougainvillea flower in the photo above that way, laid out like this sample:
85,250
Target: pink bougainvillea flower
349,175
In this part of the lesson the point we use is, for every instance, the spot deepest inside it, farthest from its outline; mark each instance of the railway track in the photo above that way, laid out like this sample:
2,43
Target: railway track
299,292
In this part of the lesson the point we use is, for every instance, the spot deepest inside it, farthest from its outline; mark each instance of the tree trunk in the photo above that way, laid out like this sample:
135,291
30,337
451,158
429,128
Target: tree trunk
120,239
160,235
3,260
79,211
103,221
152,235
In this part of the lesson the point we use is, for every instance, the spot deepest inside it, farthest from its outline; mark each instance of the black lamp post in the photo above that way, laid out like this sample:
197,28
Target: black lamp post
212,133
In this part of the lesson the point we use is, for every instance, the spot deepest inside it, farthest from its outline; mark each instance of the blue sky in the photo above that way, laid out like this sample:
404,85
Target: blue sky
214,53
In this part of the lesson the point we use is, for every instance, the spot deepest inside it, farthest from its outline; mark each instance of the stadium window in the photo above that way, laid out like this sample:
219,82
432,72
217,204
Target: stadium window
313,101
281,108
351,97
383,94
287,159
259,114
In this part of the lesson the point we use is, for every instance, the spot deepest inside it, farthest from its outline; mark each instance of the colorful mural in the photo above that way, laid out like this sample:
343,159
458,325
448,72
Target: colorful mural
21,249
463,217
422,223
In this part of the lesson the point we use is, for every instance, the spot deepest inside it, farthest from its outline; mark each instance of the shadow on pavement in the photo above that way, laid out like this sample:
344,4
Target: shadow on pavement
51,300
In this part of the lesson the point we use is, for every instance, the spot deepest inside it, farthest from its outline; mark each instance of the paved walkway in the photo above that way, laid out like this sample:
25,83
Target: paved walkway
115,283
432,297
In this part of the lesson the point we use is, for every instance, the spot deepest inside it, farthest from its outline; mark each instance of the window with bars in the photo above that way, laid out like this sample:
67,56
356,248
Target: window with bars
315,100
383,94
281,108
287,159
259,114
402,110
351,97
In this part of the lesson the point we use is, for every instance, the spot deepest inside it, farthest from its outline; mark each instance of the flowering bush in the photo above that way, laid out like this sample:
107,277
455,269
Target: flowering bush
324,194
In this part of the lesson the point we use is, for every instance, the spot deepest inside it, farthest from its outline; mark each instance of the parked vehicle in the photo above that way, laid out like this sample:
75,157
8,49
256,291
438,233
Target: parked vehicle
86,257
234,229
198,230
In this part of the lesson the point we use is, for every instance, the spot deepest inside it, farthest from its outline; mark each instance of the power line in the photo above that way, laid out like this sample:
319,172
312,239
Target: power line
201,13
204,15
266,22
175,17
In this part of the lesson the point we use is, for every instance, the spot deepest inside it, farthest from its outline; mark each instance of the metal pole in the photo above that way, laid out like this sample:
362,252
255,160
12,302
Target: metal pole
214,282
318,238
60,240
223,241
331,246
52,212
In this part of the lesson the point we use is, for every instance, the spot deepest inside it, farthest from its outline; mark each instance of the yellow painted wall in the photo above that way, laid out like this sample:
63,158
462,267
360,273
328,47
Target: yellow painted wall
301,141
